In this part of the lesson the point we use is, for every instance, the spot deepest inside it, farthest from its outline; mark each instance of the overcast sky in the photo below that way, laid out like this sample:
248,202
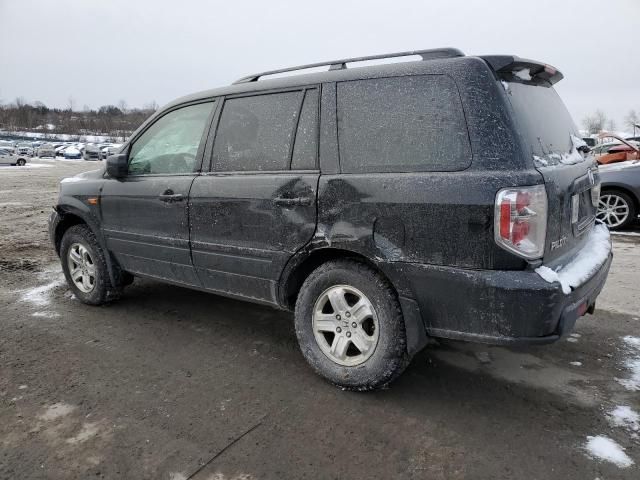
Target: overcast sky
101,52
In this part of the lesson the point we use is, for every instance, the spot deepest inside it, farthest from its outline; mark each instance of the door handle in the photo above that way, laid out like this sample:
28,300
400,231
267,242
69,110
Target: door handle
292,202
169,196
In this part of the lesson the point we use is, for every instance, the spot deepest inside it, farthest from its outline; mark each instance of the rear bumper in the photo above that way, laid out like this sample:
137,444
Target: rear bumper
498,307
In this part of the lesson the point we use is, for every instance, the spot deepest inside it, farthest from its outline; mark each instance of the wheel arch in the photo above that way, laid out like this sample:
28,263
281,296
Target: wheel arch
71,216
301,265
299,268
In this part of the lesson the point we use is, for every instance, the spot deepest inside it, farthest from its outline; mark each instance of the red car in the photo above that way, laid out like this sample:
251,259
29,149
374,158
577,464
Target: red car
619,153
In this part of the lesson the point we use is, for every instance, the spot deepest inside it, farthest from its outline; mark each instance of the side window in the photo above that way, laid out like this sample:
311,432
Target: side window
305,150
402,124
171,143
255,132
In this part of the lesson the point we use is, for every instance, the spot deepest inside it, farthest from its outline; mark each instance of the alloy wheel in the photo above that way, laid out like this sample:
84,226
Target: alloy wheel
613,210
345,325
81,268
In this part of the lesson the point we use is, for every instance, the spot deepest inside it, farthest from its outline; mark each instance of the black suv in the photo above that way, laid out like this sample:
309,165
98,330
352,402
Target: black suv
445,197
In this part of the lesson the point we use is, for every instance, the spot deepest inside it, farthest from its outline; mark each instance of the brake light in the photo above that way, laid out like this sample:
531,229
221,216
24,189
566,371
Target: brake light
520,223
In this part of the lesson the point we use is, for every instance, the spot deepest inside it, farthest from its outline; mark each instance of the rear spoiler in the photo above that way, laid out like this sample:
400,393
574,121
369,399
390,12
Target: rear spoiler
516,69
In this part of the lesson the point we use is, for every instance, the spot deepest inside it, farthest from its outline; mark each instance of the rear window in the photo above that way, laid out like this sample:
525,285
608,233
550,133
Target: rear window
544,121
402,124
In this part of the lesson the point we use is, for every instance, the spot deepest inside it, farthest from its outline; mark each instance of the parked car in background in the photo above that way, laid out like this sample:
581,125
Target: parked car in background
619,194
72,152
8,157
603,148
46,150
8,144
379,203
110,150
621,151
91,152
60,150
24,150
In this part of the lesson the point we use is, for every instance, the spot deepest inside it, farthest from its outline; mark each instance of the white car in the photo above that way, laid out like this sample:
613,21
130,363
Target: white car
7,157
109,150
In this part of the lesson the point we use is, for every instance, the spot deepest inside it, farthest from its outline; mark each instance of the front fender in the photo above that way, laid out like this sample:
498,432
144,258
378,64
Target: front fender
73,212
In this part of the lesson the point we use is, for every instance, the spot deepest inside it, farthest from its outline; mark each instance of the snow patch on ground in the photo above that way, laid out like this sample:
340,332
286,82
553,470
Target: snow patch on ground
177,476
56,411
633,342
41,296
624,416
88,431
45,314
25,167
592,256
632,363
603,448
576,364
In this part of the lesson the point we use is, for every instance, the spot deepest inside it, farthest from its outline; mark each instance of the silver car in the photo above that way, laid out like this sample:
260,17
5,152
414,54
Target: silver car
7,157
46,150
619,194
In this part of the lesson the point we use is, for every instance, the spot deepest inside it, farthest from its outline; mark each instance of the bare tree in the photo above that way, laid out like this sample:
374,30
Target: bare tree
71,102
595,123
611,125
632,120
151,106
122,105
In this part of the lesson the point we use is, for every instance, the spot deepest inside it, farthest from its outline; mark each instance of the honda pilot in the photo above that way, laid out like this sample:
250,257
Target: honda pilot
447,196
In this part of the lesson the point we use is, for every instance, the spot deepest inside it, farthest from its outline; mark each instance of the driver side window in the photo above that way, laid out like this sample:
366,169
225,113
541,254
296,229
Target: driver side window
171,143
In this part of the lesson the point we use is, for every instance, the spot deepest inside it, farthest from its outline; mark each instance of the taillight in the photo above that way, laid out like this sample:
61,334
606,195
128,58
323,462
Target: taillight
520,223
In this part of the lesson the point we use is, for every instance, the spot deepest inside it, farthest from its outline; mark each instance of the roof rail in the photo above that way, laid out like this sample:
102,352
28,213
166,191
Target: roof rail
341,64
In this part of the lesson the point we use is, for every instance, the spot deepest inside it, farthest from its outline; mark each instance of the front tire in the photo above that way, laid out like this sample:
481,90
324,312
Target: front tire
85,267
21,162
350,327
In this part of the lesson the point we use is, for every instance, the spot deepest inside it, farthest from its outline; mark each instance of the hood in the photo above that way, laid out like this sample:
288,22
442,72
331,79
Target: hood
90,175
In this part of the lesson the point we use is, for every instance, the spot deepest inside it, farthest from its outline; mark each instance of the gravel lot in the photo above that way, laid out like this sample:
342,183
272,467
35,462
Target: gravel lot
173,384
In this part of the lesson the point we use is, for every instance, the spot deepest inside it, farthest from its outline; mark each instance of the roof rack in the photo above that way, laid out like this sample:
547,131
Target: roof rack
341,64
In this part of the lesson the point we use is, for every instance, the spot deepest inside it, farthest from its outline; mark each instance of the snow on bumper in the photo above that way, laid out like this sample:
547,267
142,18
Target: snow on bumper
588,261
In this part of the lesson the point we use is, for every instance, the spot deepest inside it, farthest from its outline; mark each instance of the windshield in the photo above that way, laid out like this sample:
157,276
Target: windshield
546,124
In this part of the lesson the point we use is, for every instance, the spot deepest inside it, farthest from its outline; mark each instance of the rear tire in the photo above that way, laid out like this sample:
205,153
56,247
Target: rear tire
350,327
85,267
21,162
616,209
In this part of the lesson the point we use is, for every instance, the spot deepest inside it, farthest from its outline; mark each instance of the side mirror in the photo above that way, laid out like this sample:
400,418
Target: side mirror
117,165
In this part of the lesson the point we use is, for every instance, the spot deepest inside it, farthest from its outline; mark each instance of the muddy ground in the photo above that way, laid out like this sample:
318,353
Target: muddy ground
173,384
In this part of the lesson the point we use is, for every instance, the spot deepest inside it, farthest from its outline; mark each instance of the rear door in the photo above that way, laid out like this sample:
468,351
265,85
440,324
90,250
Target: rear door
257,205
570,174
145,214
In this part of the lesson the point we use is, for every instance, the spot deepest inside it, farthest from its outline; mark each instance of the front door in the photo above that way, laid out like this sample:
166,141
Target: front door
145,215
257,206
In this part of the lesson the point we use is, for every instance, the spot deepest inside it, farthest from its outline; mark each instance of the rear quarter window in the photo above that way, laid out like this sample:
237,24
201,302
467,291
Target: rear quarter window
402,124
